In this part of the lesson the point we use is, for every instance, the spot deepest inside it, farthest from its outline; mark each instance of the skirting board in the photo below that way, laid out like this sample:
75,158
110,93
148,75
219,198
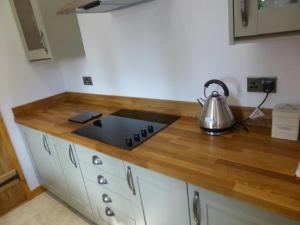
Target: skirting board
36,192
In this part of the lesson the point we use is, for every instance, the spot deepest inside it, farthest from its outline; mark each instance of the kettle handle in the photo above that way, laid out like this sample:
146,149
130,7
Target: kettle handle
223,85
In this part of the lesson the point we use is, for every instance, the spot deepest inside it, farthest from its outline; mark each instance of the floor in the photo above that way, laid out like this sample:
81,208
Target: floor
42,210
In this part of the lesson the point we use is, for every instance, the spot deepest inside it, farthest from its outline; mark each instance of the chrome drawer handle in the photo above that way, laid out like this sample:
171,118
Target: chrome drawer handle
72,157
46,146
101,180
197,217
244,12
109,212
43,41
97,160
130,180
106,198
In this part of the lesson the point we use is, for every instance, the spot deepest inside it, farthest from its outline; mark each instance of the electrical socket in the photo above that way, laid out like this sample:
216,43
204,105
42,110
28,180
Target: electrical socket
87,80
257,84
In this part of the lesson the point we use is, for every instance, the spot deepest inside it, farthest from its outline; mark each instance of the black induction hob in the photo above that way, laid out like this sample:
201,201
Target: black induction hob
126,128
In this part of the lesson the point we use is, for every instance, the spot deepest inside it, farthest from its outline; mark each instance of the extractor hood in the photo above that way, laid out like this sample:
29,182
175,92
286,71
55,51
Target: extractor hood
97,6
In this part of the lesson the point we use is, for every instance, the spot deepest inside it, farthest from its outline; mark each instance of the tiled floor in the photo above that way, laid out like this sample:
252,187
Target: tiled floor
43,210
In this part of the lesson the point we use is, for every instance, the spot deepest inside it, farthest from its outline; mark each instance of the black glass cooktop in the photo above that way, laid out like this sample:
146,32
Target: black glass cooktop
126,128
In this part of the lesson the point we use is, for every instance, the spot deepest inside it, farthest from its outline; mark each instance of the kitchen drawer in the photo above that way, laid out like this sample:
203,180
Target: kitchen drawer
117,217
117,202
109,164
102,223
113,183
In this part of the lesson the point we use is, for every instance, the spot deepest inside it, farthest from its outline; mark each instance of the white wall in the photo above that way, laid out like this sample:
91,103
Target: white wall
21,82
169,48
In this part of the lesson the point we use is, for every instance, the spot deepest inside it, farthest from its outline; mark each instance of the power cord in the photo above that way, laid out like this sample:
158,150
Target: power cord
268,88
258,107
265,99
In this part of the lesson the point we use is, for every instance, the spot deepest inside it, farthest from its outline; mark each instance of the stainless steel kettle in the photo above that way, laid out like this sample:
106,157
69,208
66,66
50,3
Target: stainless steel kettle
216,117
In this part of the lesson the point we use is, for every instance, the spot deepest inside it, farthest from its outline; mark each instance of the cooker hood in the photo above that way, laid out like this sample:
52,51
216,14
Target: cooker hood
97,6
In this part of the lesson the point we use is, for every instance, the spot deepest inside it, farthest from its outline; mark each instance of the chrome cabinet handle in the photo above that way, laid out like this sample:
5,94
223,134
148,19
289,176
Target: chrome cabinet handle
260,4
244,12
72,157
96,160
109,212
101,180
106,198
46,146
196,203
130,180
43,41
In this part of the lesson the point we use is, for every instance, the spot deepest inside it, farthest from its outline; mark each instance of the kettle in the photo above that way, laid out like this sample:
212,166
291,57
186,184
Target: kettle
216,117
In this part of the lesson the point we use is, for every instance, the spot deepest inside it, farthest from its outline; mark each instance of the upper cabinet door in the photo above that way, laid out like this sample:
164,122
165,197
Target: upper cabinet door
164,199
32,29
278,16
245,17
253,18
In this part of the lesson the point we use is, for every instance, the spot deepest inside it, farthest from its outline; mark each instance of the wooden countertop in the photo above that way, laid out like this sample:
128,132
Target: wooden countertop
249,166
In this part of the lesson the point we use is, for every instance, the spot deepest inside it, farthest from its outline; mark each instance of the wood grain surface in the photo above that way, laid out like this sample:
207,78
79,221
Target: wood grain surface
249,166
15,192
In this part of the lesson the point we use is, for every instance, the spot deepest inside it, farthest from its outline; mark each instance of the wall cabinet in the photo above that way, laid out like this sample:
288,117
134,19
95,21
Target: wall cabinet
208,208
257,18
32,29
44,34
164,199
77,194
46,162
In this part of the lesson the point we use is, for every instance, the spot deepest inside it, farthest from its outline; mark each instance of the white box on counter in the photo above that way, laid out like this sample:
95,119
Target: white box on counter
298,172
286,121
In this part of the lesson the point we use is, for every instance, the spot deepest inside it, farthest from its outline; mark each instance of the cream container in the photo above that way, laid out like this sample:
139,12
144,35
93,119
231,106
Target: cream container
286,121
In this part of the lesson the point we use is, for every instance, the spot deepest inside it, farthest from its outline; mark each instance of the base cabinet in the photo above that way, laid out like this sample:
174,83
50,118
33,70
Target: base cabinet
208,208
45,160
110,191
107,184
164,199
77,194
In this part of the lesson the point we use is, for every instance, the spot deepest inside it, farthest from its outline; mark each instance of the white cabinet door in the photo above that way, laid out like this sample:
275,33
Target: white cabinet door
261,17
208,208
45,161
164,199
32,30
78,197
245,18
276,16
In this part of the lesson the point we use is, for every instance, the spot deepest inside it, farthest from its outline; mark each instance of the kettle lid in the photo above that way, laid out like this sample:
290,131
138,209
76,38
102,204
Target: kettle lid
215,94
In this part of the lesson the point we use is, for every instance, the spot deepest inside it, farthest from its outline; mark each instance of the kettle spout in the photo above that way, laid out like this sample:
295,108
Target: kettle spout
199,101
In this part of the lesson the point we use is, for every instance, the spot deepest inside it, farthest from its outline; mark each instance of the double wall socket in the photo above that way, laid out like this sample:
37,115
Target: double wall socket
258,84
87,80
